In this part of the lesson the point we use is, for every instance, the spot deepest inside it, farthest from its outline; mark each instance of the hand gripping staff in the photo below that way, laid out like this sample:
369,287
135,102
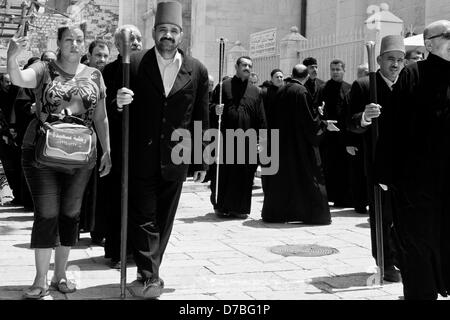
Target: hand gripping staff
221,67
376,188
125,156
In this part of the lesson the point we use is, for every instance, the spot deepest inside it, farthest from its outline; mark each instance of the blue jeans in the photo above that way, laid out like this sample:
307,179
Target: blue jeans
57,201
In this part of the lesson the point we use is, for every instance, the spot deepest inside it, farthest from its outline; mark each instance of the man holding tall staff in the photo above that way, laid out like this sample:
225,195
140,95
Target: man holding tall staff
169,91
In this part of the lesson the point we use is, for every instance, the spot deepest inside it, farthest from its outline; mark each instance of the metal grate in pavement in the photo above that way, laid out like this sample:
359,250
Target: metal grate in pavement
310,250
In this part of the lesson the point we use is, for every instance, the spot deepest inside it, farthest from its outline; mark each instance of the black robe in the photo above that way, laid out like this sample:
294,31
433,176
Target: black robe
243,109
297,192
359,97
314,86
333,151
413,159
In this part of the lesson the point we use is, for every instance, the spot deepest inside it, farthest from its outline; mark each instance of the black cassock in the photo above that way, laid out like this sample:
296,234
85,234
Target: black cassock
297,192
243,109
413,159
336,160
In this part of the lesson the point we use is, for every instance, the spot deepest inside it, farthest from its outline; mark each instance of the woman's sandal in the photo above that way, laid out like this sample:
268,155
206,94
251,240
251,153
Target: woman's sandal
39,295
63,286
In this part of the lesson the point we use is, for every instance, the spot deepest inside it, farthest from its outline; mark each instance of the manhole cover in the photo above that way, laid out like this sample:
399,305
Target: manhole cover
304,250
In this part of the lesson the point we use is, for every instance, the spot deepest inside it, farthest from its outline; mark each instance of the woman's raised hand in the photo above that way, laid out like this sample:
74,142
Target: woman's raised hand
17,44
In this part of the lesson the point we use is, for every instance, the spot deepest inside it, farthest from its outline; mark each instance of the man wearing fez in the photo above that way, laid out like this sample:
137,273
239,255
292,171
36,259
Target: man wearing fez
313,84
169,91
391,59
413,161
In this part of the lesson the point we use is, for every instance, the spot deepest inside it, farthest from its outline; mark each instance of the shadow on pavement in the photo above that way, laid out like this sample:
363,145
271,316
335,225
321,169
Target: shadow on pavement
352,282
103,292
5,230
260,224
346,213
26,218
92,264
363,225
210,217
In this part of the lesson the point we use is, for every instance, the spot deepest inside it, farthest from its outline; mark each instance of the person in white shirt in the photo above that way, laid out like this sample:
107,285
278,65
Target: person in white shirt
169,92
362,112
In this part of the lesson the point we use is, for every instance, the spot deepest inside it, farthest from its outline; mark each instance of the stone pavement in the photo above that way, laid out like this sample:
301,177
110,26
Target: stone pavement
215,259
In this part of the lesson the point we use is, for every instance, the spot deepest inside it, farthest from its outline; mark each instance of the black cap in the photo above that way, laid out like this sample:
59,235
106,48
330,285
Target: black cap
309,61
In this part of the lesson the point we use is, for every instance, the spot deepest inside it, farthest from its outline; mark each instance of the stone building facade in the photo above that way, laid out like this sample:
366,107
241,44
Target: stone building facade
205,21
236,20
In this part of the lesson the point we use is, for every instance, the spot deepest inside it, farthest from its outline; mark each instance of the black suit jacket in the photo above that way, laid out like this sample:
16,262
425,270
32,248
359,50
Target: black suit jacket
358,98
154,117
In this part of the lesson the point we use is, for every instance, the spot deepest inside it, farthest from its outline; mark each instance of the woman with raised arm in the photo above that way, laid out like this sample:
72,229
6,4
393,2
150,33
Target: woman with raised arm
62,87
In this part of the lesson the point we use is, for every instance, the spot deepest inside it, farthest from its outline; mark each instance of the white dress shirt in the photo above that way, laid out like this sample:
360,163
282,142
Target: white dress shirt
169,70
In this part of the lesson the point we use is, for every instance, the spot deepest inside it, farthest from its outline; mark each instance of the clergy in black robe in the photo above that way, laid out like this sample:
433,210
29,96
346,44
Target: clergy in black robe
391,59
333,149
413,161
297,192
243,109
313,84
109,188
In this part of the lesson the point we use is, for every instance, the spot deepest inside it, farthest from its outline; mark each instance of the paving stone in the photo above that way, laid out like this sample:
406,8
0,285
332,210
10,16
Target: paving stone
208,258
262,267
233,296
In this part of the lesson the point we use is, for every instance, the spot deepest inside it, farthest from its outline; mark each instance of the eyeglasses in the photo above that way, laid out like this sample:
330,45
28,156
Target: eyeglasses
445,35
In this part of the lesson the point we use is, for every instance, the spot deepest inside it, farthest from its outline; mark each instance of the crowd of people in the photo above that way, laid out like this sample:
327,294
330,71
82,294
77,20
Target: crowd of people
325,148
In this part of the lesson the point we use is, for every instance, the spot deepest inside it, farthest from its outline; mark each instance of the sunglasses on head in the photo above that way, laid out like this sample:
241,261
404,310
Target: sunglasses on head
445,35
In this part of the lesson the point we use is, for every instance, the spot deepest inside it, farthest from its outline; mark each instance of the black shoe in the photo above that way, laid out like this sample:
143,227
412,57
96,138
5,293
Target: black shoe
220,213
391,274
361,210
115,264
153,288
237,215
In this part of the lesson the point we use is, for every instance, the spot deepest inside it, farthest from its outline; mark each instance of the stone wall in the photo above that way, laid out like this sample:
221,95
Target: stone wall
437,10
342,16
235,20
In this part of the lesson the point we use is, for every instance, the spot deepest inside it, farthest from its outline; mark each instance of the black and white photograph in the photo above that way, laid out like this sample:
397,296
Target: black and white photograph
224,156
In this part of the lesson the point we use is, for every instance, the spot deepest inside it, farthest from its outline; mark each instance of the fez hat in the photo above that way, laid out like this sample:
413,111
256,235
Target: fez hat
169,12
392,43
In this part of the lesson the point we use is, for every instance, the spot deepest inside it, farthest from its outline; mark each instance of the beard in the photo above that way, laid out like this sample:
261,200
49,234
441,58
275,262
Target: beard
166,45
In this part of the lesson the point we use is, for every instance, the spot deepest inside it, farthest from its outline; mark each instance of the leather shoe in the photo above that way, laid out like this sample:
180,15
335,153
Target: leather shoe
140,278
237,215
391,274
220,213
153,288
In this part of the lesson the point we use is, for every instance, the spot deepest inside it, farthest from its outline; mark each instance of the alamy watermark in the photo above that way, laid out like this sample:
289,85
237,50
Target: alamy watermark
250,145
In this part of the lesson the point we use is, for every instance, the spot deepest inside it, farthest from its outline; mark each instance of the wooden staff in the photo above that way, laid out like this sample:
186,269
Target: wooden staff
376,189
125,157
221,67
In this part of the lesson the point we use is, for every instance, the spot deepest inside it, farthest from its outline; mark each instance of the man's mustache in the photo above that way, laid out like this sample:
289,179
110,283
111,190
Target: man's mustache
168,39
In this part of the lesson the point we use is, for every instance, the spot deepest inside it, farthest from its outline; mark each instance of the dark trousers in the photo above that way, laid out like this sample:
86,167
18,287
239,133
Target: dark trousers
389,251
57,201
153,205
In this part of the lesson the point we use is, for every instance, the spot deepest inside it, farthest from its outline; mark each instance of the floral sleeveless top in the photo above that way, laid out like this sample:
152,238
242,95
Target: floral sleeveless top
57,90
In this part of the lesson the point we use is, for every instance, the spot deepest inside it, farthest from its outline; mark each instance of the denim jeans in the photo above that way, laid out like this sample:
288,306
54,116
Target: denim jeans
57,201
